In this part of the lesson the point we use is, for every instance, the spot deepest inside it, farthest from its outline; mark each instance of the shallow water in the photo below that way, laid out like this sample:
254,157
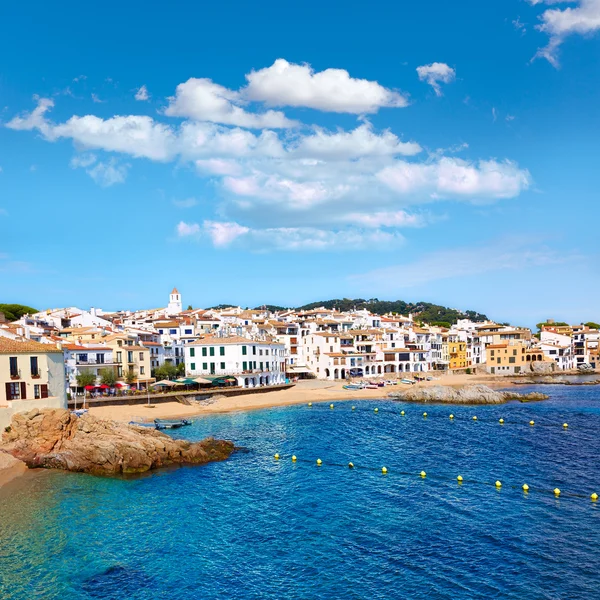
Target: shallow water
254,527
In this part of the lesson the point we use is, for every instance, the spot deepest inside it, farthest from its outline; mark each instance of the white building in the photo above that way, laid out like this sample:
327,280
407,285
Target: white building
175,306
253,363
86,357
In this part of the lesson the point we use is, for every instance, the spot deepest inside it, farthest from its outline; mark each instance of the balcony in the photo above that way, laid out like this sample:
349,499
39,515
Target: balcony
94,361
15,374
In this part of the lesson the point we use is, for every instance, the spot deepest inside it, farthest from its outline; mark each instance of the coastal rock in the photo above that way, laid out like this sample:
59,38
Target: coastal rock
469,394
543,368
58,439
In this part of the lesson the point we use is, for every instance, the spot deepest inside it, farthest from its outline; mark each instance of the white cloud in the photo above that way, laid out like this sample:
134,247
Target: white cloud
96,99
186,230
219,166
346,145
378,219
559,23
204,100
105,173
510,254
142,94
185,203
333,90
34,119
224,234
455,178
519,25
435,74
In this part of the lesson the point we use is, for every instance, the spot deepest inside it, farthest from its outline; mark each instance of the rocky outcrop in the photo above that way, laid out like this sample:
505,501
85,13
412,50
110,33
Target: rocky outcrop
469,394
58,439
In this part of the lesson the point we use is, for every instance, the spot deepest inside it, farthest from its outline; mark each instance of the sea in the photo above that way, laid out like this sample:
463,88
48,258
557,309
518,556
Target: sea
257,526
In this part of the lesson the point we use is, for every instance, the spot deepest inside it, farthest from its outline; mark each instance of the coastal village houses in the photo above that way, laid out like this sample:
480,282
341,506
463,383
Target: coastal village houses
32,375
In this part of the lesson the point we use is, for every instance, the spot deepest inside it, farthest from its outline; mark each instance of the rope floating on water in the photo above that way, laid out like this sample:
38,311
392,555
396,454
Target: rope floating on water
525,488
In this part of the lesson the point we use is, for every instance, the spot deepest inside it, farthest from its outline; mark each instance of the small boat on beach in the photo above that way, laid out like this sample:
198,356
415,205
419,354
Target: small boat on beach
408,381
354,386
171,423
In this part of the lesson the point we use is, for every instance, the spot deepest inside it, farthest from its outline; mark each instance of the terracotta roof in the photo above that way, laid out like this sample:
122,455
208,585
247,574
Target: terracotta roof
8,346
77,347
175,291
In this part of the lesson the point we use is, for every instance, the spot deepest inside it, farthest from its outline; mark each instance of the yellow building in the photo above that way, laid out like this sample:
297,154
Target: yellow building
32,375
133,361
512,359
457,351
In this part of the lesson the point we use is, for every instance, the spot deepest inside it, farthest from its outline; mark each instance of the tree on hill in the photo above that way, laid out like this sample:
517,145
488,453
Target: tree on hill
553,324
13,312
423,311
592,325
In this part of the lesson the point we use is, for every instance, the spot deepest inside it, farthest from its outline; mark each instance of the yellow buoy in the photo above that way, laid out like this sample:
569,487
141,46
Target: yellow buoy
594,497
452,416
351,465
294,458
402,412
424,414
423,474
384,470
319,461
276,456
331,406
501,421
525,487
532,422
354,408
474,418
556,492
498,484
375,410
565,425
310,403
459,479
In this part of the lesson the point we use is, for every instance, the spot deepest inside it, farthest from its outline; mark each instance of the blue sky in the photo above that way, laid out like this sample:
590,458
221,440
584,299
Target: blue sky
255,154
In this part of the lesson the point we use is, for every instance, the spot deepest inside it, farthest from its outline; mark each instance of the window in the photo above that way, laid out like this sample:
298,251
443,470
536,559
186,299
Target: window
119,371
173,331
193,366
34,366
82,358
514,352
13,391
212,351
260,352
222,366
253,349
188,332
119,357
141,370
192,352
37,392
245,366
511,359
160,331
261,366
43,389
141,356
129,356
100,359
204,351
222,351
499,360
204,366
244,350
212,368
14,366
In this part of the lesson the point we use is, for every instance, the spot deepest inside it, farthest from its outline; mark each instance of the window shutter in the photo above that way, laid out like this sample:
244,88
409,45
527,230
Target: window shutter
44,390
23,390
8,394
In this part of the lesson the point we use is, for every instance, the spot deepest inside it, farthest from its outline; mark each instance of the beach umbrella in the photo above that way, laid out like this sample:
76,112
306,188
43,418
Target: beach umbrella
202,380
104,387
90,387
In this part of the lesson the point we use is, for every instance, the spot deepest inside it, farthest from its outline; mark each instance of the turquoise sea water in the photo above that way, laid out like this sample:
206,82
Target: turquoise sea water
255,527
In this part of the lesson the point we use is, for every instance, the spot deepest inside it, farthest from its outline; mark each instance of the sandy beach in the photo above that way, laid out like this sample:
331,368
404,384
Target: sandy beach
303,392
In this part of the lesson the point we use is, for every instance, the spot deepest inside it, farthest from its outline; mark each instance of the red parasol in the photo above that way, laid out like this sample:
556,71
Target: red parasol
90,387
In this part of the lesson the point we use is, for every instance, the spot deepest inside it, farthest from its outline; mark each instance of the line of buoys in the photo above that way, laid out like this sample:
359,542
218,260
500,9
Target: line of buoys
498,484
453,417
